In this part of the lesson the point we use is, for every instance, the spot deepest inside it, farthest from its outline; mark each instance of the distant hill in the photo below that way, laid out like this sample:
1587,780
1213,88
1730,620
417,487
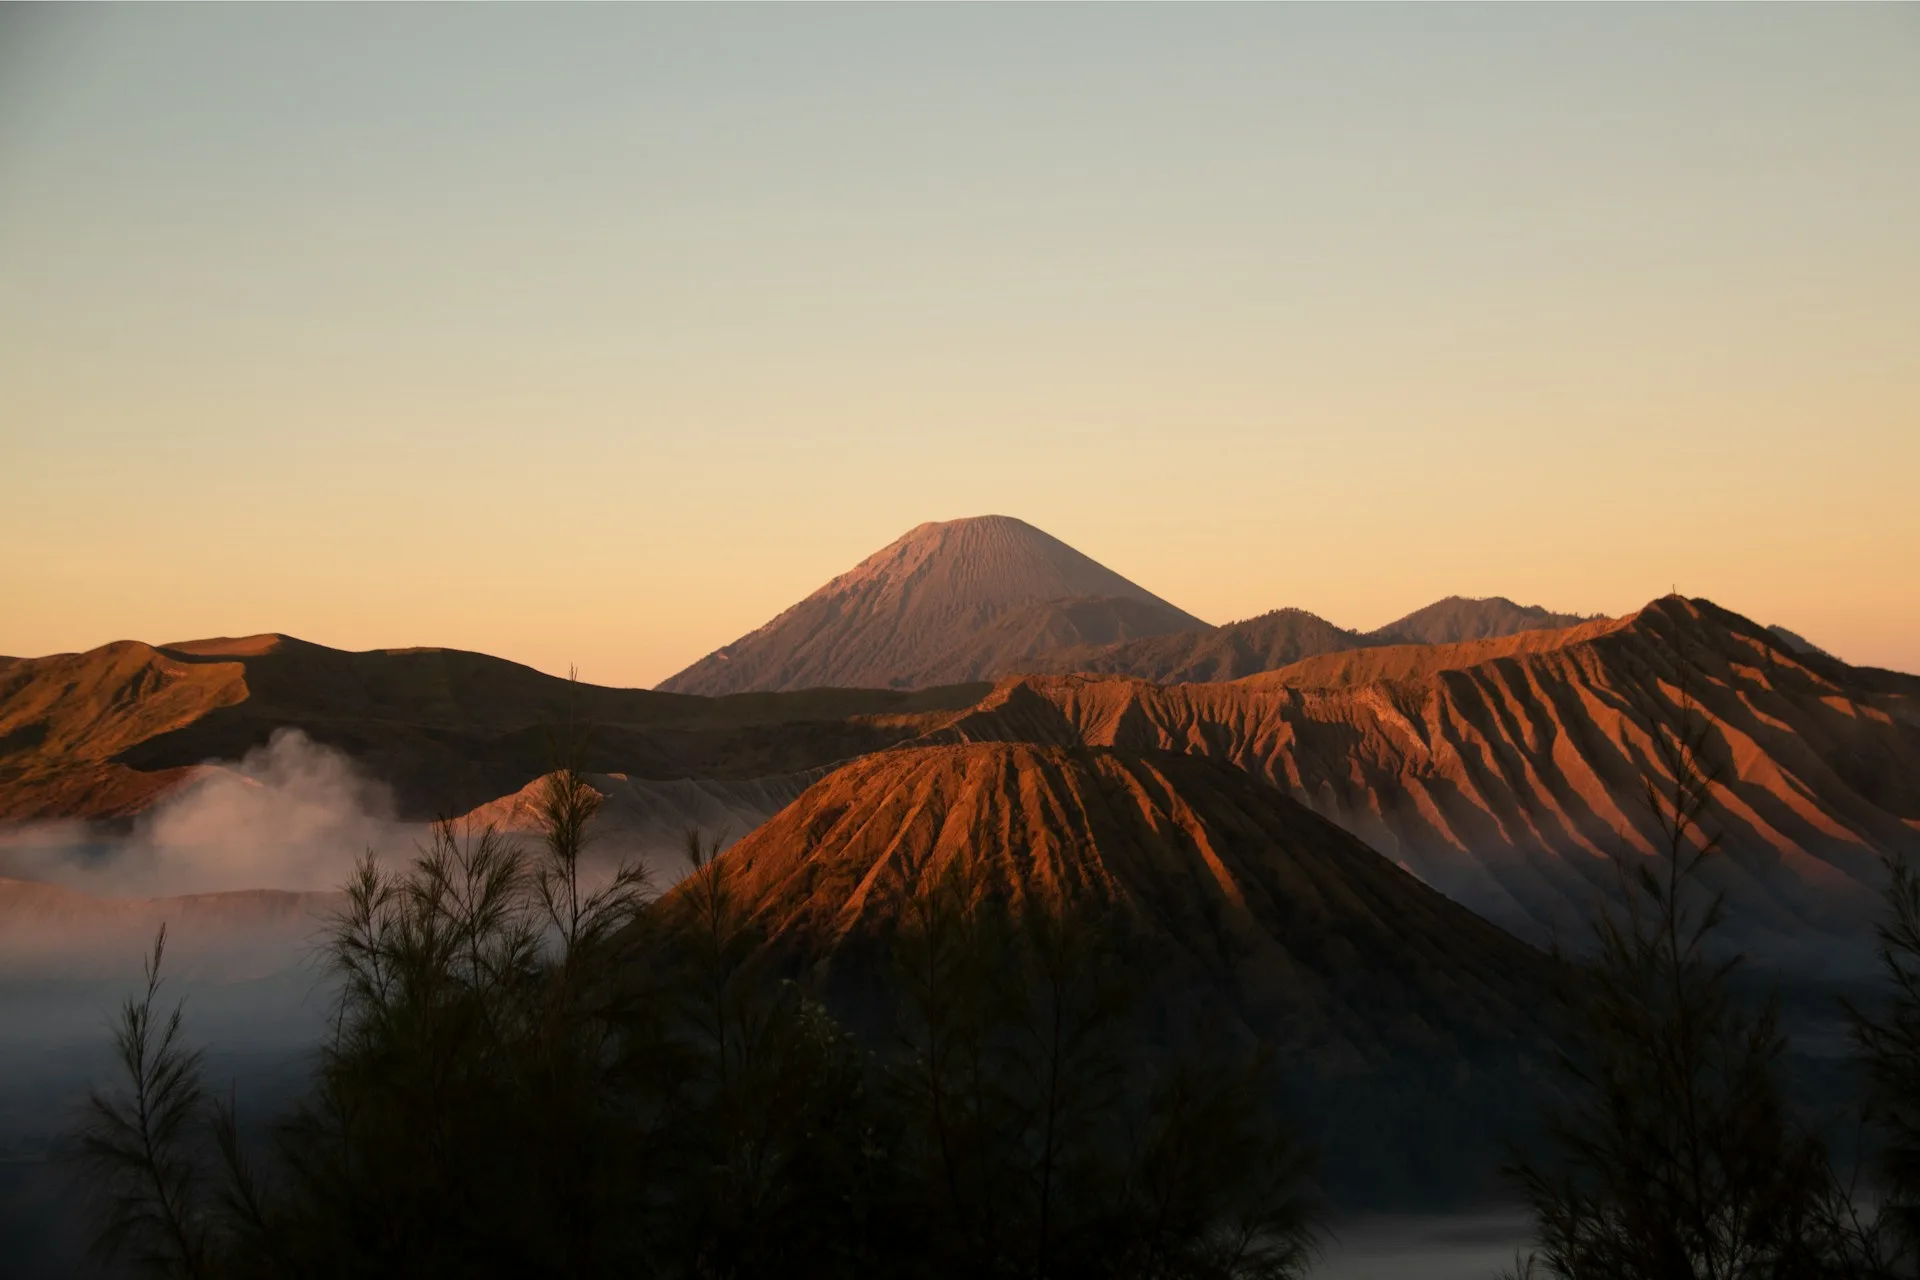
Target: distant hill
1396,1011
1797,642
1285,636
1506,772
1228,652
107,733
646,820
945,604
1457,618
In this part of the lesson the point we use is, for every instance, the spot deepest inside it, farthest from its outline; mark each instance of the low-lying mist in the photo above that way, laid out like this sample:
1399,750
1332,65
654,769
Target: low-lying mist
295,815
242,868
292,814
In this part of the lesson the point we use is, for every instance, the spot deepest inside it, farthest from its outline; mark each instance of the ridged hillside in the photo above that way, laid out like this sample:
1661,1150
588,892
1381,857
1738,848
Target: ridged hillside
1391,1008
1507,773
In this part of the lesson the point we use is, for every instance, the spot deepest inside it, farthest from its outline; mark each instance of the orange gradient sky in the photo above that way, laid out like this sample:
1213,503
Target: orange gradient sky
599,335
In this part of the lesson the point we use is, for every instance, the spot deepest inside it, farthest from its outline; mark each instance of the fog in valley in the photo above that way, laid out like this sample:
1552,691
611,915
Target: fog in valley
240,868
243,867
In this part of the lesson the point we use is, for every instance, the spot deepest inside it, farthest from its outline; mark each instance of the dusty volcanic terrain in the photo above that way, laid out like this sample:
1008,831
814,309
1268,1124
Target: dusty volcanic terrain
1507,772
1394,1009
1489,748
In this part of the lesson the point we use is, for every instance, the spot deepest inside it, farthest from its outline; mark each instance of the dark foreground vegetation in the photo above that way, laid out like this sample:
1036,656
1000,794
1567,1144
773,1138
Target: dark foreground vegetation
526,1077
1673,1151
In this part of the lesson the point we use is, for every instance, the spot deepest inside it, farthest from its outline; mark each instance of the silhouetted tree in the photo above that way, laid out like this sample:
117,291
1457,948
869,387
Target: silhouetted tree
1889,1043
1042,1136
1674,1154
141,1146
775,1113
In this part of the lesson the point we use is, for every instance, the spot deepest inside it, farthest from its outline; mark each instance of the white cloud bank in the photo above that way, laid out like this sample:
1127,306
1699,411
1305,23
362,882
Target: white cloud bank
292,814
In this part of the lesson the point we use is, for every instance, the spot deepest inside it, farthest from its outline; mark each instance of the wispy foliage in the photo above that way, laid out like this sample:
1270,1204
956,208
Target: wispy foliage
1888,1038
1675,1153
527,1075
141,1145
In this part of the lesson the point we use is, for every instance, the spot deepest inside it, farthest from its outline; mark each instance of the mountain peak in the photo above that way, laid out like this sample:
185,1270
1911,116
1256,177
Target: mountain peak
947,602
1149,833
1244,912
993,560
990,521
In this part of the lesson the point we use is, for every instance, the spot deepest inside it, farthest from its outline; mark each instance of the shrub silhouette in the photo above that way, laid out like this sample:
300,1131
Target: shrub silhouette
1674,1152
1039,1138
530,1076
1888,1039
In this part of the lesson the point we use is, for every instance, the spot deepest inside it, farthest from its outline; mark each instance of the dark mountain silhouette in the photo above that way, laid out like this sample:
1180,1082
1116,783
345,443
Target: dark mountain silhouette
945,604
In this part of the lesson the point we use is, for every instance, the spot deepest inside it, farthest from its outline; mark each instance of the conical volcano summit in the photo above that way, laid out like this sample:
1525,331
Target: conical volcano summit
944,604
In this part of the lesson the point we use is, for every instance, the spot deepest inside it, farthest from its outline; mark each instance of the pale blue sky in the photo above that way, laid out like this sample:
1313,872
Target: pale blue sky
599,334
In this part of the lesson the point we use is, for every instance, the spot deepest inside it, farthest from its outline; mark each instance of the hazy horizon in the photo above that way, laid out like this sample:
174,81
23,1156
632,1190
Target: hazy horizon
598,336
